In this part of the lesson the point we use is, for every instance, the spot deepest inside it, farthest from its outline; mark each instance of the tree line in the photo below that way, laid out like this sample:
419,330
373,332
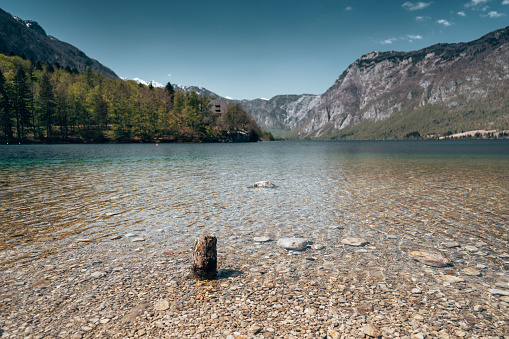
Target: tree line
42,102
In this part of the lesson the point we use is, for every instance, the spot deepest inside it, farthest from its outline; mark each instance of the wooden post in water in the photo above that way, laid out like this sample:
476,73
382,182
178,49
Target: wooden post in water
205,257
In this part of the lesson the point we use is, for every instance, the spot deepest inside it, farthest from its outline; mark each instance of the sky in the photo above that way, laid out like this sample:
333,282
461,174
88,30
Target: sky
254,49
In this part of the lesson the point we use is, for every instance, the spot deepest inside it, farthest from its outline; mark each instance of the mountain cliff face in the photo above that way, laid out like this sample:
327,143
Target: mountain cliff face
380,85
25,37
418,93
281,113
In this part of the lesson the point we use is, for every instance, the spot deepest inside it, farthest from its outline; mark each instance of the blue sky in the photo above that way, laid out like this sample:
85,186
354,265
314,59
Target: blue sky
251,49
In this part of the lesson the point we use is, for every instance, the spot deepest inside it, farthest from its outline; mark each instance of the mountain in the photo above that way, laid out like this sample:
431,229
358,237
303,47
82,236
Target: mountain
435,91
282,113
198,89
26,37
183,88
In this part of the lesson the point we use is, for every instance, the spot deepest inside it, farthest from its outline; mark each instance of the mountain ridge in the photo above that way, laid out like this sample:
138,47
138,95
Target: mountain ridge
28,38
454,78
379,84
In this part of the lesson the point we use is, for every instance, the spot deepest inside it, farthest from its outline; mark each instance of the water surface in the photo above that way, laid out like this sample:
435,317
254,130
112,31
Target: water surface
418,193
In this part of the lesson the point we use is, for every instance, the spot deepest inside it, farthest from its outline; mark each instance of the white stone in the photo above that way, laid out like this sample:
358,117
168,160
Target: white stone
261,239
471,248
130,235
138,239
354,241
416,291
263,184
296,244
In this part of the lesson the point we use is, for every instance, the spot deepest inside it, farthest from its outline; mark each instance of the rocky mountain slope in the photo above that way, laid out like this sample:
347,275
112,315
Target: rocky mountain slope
445,88
25,37
282,113
459,77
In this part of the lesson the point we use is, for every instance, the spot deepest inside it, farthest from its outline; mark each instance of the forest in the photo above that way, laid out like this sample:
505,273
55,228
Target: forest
46,103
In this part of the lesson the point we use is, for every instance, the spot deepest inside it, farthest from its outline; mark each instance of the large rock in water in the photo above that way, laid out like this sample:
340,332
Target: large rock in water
264,184
431,259
295,244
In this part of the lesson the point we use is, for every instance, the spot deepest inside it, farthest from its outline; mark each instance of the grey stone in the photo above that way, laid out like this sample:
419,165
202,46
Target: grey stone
296,244
431,259
261,239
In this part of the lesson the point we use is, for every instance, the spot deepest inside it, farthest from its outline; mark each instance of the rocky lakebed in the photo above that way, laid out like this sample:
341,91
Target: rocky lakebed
325,285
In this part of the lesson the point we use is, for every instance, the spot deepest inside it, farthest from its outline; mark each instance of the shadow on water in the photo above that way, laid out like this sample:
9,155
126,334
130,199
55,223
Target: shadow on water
225,273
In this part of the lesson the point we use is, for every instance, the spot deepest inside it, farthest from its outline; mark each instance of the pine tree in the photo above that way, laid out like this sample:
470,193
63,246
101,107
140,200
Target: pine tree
5,109
20,102
47,103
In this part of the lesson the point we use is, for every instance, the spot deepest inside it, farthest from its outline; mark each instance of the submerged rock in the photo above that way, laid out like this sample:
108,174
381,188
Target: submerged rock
471,271
451,244
354,241
431,259
451,278
295,244
497,291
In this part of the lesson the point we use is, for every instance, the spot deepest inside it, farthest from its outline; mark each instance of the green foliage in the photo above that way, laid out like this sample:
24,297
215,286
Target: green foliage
238,120
434,121
41,102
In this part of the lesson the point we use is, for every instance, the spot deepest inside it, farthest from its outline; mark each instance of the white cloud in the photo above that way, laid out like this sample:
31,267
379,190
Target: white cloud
444,22
169,74
388,41
505,2
493,14
414,7
475,3
348,8
414,37
422,18
461,13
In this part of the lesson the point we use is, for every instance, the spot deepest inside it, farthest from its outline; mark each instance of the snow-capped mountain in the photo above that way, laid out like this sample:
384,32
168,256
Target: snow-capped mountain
147,83
183,88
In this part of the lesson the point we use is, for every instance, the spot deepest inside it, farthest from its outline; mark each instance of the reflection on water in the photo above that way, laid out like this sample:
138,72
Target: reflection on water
414,193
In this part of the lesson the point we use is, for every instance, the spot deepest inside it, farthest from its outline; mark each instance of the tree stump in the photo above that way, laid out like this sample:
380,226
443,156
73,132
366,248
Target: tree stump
205,257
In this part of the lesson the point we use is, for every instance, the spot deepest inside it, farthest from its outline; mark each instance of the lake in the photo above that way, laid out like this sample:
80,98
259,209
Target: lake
452,189
92,235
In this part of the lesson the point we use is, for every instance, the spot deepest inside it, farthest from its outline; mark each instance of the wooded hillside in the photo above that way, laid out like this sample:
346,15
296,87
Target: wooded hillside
47,103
